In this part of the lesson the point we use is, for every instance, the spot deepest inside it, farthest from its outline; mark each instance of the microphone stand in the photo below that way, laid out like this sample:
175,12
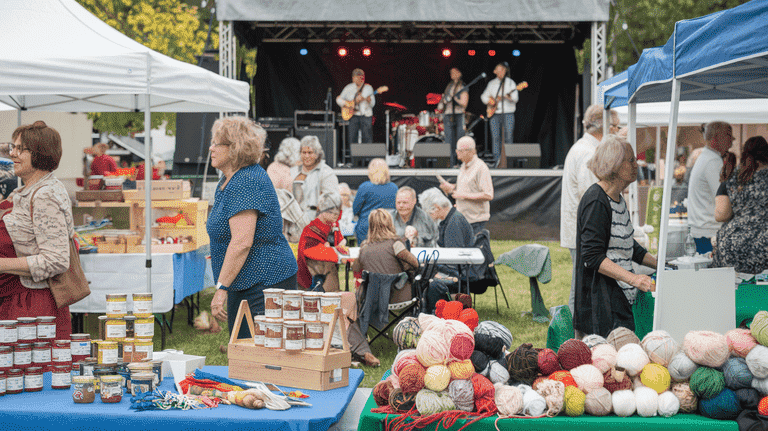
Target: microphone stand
326,126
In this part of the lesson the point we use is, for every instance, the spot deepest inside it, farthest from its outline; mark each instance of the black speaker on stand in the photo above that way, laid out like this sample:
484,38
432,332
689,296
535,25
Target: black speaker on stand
327,138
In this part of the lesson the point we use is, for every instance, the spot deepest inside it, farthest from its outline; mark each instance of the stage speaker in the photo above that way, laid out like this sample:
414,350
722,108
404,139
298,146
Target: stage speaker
193,129
327,139
523,156
362,154
432,152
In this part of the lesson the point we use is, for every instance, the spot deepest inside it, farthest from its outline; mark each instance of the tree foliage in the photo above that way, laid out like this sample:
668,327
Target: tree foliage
171,27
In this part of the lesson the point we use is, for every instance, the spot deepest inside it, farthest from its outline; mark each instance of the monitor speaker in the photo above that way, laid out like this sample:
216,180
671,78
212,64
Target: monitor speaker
327,139
432,152
362,154
523,156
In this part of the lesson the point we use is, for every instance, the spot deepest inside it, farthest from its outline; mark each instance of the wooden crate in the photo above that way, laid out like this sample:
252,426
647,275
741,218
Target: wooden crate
195,208
99,195
161,189
117,245
314,370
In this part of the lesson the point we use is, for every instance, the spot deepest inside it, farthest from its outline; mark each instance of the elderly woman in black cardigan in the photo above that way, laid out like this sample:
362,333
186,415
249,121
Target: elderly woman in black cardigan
606,285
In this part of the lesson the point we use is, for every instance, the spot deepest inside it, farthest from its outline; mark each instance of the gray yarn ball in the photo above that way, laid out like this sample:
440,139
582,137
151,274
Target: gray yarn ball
497,373
462,393
593,340
681,367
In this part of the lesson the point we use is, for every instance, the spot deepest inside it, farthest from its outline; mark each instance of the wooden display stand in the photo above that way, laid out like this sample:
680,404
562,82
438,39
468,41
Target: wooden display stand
196,209
314,370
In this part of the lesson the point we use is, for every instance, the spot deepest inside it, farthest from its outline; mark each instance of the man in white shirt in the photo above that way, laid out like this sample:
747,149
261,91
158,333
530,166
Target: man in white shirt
501,92
703,184
361,96
577,179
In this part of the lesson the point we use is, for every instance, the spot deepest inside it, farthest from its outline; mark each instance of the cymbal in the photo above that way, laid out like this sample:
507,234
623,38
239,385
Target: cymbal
396,106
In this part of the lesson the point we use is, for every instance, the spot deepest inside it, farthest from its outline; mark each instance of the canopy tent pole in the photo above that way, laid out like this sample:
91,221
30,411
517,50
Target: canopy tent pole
148,178
633,203
657,156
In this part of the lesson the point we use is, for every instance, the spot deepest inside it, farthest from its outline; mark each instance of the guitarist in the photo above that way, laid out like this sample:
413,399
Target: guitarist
453,117
501,94
360,97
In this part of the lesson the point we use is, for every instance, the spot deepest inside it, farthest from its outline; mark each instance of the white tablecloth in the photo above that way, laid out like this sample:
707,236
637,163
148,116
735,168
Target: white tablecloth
446,256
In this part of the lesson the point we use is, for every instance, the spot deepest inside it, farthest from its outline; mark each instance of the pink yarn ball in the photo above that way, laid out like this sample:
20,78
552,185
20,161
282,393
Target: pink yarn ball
433,348
587,377
706,348
604,357
740,341
402,361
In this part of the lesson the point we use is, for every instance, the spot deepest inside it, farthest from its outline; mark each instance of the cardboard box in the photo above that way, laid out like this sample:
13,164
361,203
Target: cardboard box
178,363
112,245
161,190
99,195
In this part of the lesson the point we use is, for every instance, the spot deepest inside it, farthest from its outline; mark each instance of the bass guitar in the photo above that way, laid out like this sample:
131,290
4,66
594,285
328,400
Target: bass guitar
348,110
493,103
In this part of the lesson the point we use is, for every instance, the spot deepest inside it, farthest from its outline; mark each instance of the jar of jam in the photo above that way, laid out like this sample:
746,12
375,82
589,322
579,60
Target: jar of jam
292,305
46,328
142,382
41,354
107,352
314,336
83,391
259,329
273,303
142,349
33,379
103,326
86,366
22,355
14,382
111,388
6,358
2,383
101,370
80,345
128,349
117,305
27,328
310,306
273,336
61,376
142,304
130,326
157,368
293,335
61,352
8,332
115,329
145,327
329,302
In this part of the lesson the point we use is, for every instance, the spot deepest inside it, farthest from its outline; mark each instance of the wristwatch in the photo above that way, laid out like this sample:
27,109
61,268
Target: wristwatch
220,286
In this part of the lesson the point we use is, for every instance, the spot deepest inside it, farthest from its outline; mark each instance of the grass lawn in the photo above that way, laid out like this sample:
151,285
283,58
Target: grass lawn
516,287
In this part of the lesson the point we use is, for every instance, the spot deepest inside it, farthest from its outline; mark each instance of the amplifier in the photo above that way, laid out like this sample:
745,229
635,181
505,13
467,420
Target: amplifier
313,118
275,122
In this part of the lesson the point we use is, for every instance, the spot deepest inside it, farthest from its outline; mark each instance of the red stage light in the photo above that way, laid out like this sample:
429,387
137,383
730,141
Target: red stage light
471,52
446,52
491,52
342,52
367,52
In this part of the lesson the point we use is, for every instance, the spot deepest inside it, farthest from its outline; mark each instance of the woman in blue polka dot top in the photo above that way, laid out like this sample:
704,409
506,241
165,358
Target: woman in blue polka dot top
248,250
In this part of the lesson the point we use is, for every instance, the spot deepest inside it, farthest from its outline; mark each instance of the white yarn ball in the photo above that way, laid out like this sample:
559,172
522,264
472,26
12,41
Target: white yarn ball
509,399
681,367
669,404
646,402
757,361
624,403
587,377
533,403
604,357
632,358
761,385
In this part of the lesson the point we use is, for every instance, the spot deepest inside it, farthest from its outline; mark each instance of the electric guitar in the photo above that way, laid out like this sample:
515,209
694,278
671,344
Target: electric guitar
348,110
493,103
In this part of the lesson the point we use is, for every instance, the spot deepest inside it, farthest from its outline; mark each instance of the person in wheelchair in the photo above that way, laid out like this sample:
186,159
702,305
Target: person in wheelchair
314,274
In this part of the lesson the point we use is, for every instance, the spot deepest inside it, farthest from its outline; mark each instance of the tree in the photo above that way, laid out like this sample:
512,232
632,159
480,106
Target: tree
171,27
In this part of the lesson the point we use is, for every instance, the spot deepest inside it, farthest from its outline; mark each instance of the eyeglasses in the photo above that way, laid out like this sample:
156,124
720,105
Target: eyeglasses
214,144
18,148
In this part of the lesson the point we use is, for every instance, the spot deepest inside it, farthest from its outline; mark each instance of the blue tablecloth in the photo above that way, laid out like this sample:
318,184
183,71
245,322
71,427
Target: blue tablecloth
189,273
55,410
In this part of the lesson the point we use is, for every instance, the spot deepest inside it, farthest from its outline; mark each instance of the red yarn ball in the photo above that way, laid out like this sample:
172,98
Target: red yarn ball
484,394
398,366
548,362
612,385
563,376
573,353
452,310
462,346
762,408
439,306
465,300
412,378
469,317
381,392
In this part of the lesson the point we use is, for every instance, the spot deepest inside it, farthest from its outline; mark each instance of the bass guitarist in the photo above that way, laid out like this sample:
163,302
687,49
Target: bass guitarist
501,94
359,97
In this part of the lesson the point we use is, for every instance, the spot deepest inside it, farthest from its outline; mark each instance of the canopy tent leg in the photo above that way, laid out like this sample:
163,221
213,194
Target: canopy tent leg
148,189
633,203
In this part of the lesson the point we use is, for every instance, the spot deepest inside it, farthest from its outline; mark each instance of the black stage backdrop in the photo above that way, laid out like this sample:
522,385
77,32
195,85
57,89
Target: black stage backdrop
287,81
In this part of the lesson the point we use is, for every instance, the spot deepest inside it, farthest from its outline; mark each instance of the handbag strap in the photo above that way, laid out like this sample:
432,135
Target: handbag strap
32,207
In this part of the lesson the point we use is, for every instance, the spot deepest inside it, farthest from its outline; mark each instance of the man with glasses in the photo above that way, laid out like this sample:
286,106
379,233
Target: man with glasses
577,178
361,98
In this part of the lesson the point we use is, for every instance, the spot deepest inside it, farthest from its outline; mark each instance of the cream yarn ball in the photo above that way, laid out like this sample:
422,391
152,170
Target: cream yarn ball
681,367
509,400
757,361
587,377
598,402
632,358
604,356
660,347
706,348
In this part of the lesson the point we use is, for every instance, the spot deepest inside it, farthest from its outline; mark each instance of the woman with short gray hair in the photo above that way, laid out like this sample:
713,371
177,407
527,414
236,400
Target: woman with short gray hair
312,178
606,285
279,170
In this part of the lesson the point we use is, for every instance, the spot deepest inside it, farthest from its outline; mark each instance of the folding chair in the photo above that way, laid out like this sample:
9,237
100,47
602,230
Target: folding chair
396,311
485,273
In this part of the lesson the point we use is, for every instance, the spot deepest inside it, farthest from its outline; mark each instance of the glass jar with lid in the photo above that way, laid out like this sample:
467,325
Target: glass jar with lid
46,328
8,332
117,305
107,352
83,391
293,335
2,382
273,336
111,388
14,381
61,352
273,303
292,304
33,379
22,355
27,329
310,306
6,357
41,354
80,345
61,376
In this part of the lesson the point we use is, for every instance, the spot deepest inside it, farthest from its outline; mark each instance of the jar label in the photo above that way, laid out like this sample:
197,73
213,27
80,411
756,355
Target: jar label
62,355
115,331
22,358
273,312
145,329
6,360
142,308
258,339
127,348
314,343
27,332
294,344
111,390
292,314
8,335
312,317
61,379
80,348
2,386
15,383
117,308
41,356
273,343
46,330
108,356
33,381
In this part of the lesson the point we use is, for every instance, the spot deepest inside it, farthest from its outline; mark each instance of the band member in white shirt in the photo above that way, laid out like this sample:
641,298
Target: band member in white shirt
358,96
501,97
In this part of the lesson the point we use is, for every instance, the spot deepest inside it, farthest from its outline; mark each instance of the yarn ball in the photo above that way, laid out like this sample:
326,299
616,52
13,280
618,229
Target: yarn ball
412,378
598,402
748,398
381,392
429,402
553,393
646,402
688,401
497,373
656,377
465,299
761,385
759,327
740,341
762,406
723,406
564,377
632,358
400,401
452,309
407,333
594,340
394,380
437,378
491,345
439,307
523,364
604,356
484,394
429,321
621,336
623,403
462,346
432,349
509,400
462,394
469,317
707,382
736,373
616,381
757,361
547,362
660,347
637,383
587,377
574,400
668,403
493,330
461,370
452,328
405,357
681,367
480,361
706,348
535,384
573,353
533,403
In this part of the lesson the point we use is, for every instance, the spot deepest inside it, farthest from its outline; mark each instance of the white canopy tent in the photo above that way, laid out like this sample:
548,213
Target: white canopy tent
56,56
